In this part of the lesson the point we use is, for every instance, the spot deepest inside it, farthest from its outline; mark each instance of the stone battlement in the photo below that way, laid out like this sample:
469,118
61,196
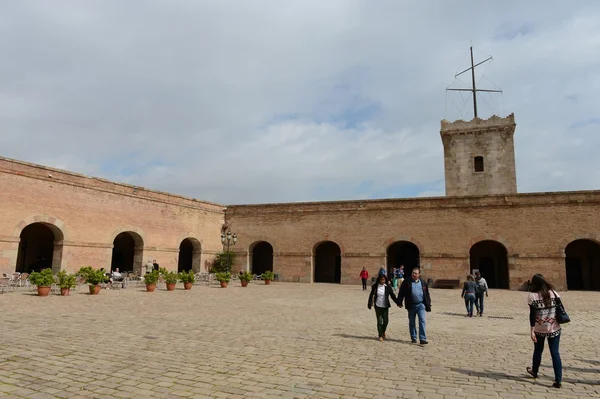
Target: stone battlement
477,124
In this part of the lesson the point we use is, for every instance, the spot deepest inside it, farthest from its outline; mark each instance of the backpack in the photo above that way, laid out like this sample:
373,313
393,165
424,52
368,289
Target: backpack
480,289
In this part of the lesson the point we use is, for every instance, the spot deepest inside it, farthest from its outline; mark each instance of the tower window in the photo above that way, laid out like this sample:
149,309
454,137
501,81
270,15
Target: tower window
478,161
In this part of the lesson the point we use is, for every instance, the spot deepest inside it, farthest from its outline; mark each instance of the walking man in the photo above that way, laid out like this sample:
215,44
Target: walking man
415,294
482,288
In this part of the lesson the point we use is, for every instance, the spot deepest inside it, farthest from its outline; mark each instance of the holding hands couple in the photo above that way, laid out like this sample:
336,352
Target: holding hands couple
414,292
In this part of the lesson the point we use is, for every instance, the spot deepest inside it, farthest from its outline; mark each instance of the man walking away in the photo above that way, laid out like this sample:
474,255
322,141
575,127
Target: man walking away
364,276
415,294
482,288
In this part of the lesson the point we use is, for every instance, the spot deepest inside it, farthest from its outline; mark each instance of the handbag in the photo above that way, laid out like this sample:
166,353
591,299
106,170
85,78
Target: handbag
561,314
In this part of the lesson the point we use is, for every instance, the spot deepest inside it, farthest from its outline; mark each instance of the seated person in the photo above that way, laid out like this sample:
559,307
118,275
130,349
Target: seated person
115,276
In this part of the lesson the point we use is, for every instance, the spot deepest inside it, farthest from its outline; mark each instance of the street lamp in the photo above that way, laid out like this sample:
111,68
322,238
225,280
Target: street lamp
230,239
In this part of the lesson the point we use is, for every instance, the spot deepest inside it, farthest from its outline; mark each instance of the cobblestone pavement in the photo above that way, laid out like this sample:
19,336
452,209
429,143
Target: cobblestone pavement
282,340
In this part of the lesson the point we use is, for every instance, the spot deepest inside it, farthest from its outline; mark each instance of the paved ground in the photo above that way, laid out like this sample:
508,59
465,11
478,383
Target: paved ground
290,340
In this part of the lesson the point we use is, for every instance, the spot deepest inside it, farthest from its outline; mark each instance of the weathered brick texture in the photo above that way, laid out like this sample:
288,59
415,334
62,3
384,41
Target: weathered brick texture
89,213
534,229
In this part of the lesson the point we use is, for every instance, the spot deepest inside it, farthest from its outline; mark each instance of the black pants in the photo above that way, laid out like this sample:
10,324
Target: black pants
382,320
364,281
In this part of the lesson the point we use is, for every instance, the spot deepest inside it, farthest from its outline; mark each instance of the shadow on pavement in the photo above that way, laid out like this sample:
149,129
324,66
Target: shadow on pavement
372,338
495,375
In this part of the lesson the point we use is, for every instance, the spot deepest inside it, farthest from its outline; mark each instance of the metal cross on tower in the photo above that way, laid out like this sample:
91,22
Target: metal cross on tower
474,90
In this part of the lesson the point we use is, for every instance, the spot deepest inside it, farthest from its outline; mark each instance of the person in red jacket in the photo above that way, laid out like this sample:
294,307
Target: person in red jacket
364,276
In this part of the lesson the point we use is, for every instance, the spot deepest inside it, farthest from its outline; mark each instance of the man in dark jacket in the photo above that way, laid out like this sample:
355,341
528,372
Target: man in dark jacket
415,294
380,295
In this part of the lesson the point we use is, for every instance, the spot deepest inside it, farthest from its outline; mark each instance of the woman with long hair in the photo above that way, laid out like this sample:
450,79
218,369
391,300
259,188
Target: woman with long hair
542,319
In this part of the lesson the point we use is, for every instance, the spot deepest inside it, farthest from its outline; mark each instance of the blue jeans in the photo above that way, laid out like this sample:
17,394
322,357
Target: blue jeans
479,302
469,301
417,310
538,348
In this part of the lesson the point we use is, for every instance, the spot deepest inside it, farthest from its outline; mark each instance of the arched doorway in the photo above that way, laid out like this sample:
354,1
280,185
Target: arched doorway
261,258
403,253
491,259
40,247
189,255
328,263
582,262
127,252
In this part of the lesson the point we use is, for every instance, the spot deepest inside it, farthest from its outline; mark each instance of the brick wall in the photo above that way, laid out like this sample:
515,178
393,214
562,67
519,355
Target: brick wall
90,212
534,229
86,214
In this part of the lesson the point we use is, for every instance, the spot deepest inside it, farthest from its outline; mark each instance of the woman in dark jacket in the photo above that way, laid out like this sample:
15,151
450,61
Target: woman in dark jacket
380,297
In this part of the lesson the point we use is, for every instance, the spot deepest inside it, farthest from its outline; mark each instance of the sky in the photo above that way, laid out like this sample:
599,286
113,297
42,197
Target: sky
240,102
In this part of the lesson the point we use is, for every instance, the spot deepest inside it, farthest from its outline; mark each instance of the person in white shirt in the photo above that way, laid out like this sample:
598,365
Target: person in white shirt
380,296
482,288
115,276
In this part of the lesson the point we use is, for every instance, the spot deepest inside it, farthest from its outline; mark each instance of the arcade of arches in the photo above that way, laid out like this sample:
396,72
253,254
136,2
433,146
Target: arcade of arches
491,259
403,253
327,263
261,258
582,263
40,247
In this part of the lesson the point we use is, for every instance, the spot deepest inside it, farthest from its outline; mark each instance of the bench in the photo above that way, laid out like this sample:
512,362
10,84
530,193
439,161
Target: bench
447,283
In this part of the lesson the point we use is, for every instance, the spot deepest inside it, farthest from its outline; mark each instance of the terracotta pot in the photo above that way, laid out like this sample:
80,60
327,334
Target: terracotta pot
187,286
267,282
223,284
150,287
244,283
43,291
170,287
65,291
94,289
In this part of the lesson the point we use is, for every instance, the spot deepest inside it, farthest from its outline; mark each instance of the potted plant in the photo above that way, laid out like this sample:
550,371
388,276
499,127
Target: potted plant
223,278
66,281
268,277
245,278
94,277
43,281
170,280
151,279
188,279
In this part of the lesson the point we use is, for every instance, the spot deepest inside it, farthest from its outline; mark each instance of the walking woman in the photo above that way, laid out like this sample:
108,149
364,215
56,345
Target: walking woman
364,276
380,296
542,319
468,293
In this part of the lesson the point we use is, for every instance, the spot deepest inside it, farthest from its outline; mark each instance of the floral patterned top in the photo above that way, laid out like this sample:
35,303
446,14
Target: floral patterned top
542,318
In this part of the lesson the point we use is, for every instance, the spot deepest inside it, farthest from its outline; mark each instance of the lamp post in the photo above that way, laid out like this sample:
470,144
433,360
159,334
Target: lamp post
230,239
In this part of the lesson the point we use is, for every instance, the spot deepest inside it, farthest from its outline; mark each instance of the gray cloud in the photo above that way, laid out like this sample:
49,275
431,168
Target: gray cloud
268,101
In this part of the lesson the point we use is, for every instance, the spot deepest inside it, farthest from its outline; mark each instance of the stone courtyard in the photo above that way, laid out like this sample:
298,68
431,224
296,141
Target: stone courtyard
282,340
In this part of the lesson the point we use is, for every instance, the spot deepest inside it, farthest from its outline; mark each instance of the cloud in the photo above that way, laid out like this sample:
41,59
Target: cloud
275,101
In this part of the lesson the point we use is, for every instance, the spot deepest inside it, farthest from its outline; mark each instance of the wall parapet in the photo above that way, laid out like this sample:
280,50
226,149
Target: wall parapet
575,198
39,172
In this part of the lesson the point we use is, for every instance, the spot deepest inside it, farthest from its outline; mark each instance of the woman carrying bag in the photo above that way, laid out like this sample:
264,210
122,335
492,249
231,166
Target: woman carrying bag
545,312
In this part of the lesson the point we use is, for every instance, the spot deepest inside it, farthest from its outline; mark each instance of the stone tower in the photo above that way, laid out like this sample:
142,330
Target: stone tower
479,156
